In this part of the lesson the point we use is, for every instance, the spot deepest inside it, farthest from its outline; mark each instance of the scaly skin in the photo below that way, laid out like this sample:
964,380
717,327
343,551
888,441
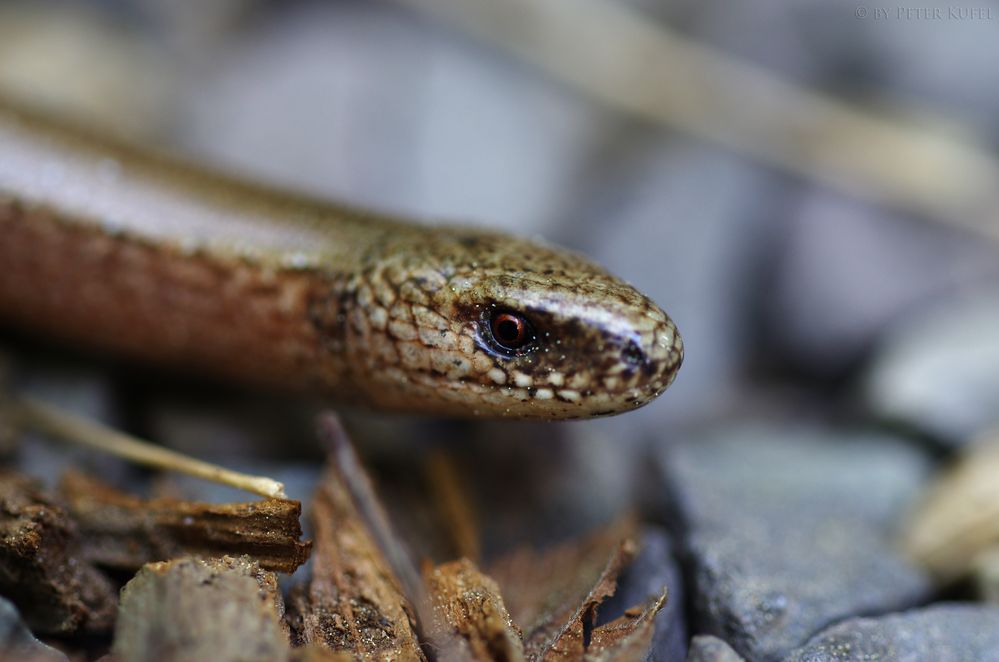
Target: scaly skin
149,257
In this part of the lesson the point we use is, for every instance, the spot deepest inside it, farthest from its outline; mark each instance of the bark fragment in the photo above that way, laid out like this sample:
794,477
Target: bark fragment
471,620
202,609
354,603
124,532
40,570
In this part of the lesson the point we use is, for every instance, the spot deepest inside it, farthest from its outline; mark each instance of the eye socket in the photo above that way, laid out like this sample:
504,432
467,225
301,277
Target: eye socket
511,331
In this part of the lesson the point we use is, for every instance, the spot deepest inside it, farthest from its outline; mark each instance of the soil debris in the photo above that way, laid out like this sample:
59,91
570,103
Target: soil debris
41,571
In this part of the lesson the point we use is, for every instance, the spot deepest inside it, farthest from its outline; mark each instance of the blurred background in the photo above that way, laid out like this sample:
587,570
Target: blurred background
783,286
809,189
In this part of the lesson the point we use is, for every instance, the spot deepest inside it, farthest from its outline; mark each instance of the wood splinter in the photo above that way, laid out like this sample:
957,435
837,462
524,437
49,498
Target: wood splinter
122,531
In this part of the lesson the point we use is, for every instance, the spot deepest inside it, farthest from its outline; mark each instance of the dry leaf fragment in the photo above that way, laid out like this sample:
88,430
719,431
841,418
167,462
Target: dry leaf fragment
353,603
553,595
627,638
471,621
122,531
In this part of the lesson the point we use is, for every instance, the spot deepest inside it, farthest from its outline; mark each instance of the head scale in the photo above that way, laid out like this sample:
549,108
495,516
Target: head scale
462,322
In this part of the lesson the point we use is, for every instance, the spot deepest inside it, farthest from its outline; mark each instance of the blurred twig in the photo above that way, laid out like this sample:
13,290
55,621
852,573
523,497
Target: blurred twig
612,53
454,504
60,423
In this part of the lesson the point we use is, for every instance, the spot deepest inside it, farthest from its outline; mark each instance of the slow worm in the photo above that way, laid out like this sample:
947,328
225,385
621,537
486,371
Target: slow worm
150,257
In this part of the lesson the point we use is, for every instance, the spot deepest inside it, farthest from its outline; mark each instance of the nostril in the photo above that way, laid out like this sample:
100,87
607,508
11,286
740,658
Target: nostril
633,355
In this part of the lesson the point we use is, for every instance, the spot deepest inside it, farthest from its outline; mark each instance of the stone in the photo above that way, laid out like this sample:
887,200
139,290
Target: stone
945,632
707,648
848,272
368,104
939,371
791,528
17,642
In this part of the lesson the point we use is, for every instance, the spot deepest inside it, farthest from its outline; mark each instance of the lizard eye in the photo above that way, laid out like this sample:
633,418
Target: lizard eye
510,332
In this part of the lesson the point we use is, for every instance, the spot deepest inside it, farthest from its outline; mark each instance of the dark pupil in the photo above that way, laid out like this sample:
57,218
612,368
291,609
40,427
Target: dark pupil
510,330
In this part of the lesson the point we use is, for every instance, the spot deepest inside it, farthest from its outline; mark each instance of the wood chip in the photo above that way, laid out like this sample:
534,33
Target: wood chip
201,609
40,571
124,532
553,595
470,620
353,603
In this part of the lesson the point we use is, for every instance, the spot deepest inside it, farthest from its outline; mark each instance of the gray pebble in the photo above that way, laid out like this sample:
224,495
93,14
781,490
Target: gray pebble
17,642
789,529
939,370
942,633
706,648
848,272
370,104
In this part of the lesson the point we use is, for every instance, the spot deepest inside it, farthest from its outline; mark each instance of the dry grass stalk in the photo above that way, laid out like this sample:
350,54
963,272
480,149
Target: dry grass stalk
59,423
611,53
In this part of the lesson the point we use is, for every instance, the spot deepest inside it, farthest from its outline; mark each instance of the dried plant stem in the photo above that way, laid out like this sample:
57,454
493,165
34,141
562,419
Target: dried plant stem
59,423
613,54
455,505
